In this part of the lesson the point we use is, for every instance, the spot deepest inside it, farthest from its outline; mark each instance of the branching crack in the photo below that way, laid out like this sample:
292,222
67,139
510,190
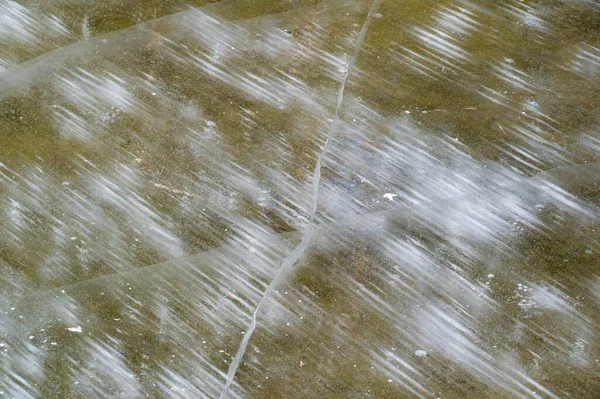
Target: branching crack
307,235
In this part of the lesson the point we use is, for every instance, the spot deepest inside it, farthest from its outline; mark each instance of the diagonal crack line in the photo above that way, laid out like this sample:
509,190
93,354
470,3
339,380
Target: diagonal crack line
297,252
587,175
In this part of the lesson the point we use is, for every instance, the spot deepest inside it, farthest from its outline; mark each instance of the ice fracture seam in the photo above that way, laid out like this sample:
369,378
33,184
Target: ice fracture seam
297,252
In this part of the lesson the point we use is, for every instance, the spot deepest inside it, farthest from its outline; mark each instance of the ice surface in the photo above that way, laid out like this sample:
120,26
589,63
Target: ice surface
298,199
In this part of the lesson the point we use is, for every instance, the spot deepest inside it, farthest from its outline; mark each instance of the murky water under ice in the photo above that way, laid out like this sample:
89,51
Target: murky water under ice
300,199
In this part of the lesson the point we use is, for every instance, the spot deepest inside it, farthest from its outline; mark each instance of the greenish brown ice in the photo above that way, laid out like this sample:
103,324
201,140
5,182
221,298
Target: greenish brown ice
300,199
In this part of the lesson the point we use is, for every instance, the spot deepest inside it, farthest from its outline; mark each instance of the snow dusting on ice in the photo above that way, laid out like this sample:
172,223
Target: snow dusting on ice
292,199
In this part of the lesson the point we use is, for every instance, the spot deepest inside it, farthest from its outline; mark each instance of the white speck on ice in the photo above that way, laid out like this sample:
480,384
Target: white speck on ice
421,353
490,276
389,196
75,329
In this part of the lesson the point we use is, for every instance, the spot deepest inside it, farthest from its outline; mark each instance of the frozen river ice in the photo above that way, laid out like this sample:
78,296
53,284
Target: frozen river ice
300,199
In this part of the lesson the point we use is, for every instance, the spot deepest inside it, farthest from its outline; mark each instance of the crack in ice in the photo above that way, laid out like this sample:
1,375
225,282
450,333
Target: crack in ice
297,252
584,174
